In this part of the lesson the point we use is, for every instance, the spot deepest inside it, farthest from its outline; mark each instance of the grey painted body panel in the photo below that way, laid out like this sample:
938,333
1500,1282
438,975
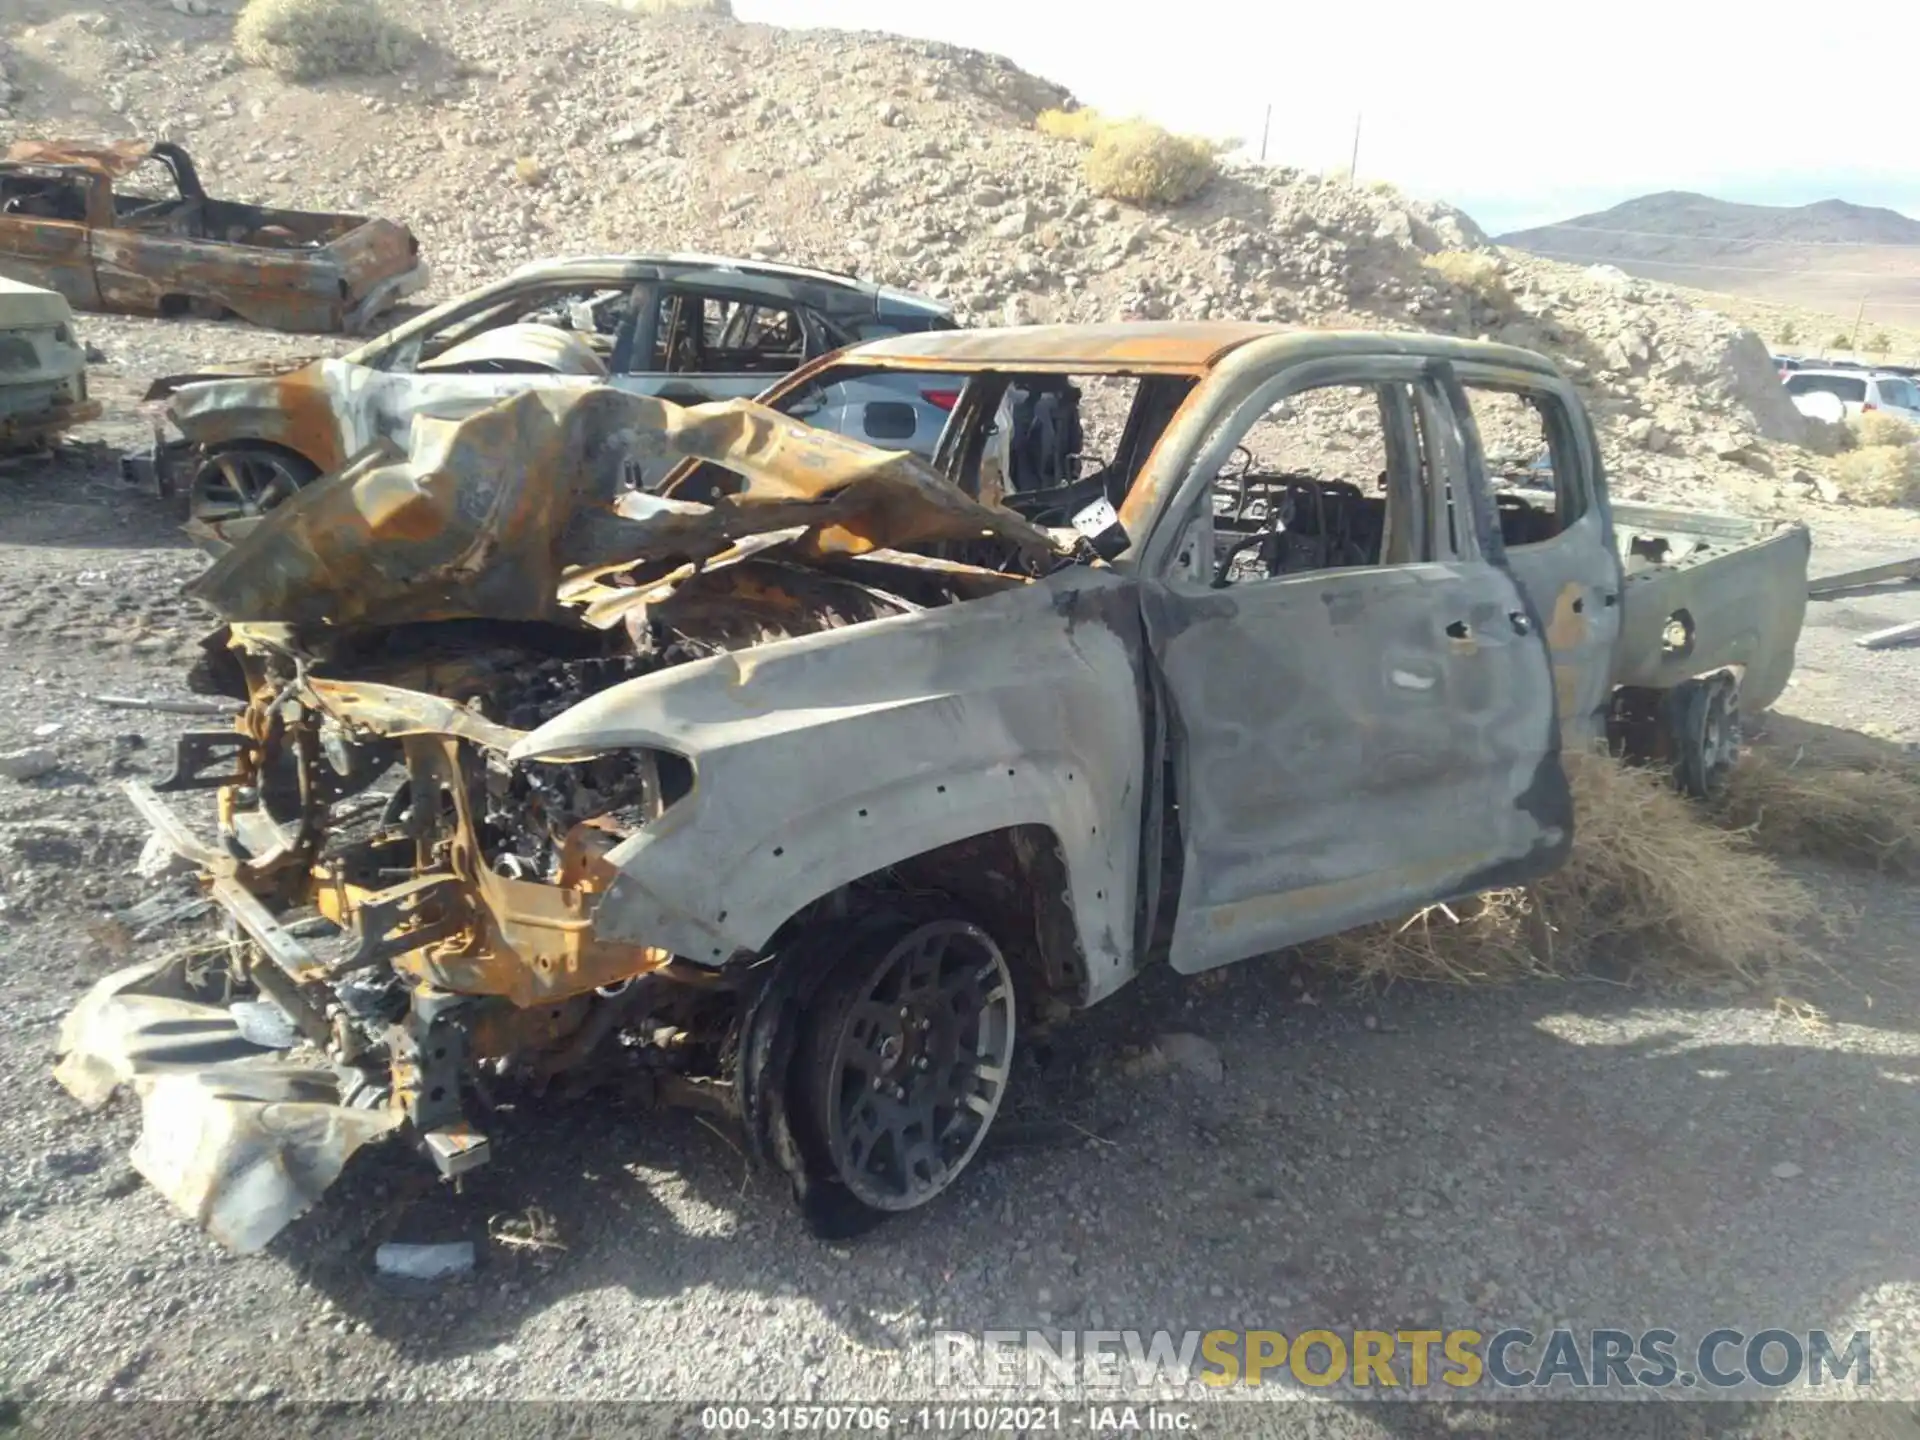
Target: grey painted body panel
1344,759
1743,585
822,759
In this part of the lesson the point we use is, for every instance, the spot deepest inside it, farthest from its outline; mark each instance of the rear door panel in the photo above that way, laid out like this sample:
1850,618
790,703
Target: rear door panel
1572,579
1353,743
1348,756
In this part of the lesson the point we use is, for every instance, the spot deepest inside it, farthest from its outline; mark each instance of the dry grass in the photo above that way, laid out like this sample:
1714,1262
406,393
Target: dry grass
1860,807
1697,902
1477,274
312,39
1880,474
1876,428
1134,160
1145,165
1082,126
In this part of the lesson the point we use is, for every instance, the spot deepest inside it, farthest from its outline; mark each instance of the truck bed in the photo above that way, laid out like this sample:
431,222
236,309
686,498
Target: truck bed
1706,592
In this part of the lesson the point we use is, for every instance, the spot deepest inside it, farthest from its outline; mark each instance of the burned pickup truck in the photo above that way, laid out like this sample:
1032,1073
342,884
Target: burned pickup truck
799,789
128,227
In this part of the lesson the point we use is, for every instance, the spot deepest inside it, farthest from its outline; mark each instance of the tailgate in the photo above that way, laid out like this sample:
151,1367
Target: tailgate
1706,592
372,252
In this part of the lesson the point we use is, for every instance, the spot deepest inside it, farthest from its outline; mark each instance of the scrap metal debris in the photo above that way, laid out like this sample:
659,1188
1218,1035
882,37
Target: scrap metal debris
1828,587
236,1135
488,514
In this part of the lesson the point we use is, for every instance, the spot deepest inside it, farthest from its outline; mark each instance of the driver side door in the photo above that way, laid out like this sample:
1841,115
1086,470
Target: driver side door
1358,728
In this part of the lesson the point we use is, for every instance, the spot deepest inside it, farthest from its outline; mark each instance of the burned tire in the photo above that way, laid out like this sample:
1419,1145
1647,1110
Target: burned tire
902,1058
1705,716
238,481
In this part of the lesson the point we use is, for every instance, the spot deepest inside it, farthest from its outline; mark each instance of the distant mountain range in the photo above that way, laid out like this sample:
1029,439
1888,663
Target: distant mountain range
1828,256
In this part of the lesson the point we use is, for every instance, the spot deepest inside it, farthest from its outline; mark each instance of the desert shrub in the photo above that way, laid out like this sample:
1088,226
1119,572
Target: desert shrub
1146,165
1839,340
1876,428
1082,126
1693,900
312,39
1880,474
1789,333
1134,160
1476,273
1880,342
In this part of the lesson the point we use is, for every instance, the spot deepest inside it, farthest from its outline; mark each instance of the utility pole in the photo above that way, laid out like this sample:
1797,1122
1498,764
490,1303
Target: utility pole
1353,165
1854,344
1265,126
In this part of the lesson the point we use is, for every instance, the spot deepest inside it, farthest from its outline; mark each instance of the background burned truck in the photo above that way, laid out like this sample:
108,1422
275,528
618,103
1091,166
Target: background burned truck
85,220
776,799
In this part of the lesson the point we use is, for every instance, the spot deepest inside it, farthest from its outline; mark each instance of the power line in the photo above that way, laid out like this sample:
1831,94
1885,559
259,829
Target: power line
1728,239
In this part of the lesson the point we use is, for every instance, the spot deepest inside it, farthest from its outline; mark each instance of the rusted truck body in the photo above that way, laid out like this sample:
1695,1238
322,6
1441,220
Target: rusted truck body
798,790
84,220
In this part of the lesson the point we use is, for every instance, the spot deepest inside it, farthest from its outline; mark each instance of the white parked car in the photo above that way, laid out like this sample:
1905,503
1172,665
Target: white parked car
43,368
1839,394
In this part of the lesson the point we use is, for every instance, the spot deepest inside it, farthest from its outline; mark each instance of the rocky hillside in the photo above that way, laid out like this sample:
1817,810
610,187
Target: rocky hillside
536,127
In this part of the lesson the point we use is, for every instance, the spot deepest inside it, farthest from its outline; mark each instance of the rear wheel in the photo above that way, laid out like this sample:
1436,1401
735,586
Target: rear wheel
247,480
903,1060
1706,723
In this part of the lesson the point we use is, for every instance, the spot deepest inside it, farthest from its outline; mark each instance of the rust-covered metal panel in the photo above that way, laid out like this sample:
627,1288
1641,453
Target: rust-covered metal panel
1119,347
487,513
116,159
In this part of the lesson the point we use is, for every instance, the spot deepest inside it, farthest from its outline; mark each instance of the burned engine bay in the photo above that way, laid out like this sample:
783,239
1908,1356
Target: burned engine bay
410,900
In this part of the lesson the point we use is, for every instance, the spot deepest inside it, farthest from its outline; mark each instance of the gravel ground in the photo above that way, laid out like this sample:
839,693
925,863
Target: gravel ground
1565,1154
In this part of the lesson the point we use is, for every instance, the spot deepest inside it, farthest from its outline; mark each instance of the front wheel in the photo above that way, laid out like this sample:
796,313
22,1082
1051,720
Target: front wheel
241,481
903,1060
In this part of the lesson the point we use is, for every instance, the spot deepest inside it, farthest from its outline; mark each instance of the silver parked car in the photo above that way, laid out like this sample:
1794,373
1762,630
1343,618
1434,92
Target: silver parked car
687,328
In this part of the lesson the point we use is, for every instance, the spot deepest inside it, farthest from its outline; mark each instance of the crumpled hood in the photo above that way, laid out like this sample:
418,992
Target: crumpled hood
488,513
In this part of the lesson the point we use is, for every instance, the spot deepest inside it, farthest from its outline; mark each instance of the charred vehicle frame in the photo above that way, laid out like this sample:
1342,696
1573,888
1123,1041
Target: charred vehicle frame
799,789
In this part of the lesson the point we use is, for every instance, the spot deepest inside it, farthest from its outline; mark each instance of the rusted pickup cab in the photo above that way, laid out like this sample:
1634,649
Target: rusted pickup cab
127,227
798,791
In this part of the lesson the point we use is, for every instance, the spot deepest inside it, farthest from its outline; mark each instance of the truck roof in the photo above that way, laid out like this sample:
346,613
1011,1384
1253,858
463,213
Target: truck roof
1176,346
115,157
1165,344
688,266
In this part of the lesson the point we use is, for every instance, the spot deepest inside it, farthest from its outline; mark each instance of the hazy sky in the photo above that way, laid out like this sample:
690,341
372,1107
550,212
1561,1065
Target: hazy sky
1518,113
